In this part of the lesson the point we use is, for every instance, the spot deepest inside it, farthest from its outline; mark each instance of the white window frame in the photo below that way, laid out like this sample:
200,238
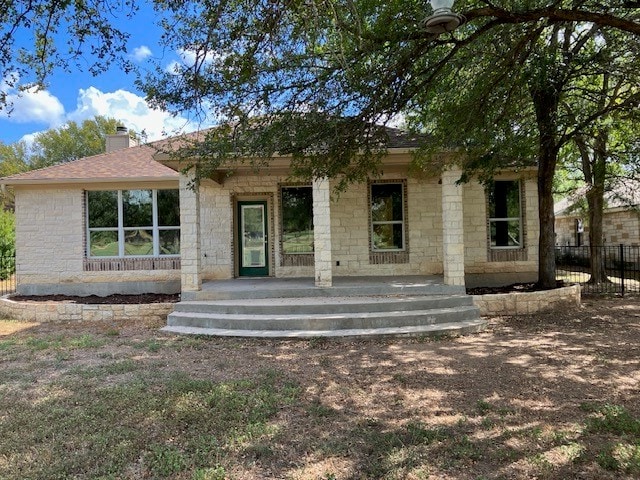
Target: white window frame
509,219
121,229
387,222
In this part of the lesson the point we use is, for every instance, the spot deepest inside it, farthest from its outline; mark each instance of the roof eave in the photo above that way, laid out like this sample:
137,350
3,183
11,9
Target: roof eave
75,181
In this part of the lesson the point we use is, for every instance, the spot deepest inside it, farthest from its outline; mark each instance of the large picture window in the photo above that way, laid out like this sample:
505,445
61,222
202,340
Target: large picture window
297,220
505,214
133,223
387,217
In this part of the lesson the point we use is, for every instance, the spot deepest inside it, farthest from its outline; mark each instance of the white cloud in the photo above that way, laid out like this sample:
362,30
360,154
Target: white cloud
141,53
34,105
174,67
130,109
189,58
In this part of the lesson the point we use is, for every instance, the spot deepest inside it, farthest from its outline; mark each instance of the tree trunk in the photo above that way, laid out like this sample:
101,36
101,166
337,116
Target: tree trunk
594,171
595,199
598,272
545,98
547,239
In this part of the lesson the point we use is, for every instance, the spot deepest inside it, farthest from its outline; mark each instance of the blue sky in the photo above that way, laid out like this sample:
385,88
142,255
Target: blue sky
80,95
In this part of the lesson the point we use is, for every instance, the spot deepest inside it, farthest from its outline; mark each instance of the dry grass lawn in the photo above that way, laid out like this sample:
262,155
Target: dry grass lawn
550,396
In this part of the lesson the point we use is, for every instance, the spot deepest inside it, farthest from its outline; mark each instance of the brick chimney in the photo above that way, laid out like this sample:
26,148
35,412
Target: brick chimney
120,140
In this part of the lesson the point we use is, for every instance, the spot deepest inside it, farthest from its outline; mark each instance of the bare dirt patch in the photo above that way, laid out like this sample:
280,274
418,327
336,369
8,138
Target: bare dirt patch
520,400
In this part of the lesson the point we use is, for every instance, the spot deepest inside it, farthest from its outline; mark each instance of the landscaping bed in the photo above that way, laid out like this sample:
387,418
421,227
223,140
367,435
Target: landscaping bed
96,300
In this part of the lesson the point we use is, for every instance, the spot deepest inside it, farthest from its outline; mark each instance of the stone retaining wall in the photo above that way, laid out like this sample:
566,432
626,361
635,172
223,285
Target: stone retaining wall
62,312
496,304
527,302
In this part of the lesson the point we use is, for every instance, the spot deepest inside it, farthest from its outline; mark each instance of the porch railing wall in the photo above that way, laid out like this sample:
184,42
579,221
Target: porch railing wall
621,265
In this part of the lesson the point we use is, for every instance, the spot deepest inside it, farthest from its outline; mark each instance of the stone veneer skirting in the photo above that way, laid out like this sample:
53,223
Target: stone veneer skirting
64,312
527,302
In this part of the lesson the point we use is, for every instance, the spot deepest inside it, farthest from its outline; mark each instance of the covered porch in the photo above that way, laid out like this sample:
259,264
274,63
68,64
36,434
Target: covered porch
328,246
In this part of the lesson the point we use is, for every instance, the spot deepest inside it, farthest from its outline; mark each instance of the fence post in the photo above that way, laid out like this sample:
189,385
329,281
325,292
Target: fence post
622,269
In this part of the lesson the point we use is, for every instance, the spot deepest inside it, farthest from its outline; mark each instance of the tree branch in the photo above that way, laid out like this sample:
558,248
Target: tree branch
554,15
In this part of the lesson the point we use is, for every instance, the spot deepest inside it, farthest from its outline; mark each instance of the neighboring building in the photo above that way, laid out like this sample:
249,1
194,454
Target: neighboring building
620,222
128,222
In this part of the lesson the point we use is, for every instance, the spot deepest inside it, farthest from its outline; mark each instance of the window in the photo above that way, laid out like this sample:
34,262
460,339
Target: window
128,223
505,218
297,220
387,217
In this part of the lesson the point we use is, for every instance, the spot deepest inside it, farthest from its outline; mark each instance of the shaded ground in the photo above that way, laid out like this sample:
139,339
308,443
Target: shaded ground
548,396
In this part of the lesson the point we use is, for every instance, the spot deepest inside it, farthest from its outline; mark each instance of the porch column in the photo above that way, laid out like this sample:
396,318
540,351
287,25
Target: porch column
452,228
322,232
190,259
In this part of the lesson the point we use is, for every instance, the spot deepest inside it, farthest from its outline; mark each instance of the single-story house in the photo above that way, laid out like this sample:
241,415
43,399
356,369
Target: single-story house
129,221
620,221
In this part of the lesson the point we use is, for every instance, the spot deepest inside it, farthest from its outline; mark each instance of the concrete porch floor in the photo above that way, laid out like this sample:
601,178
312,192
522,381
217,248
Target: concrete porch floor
270,287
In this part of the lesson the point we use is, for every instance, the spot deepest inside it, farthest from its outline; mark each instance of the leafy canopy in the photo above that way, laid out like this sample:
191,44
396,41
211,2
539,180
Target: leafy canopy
315,76
40,36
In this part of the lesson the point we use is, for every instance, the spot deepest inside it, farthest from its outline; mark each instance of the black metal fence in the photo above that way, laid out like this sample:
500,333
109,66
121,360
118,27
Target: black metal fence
621,265
7,275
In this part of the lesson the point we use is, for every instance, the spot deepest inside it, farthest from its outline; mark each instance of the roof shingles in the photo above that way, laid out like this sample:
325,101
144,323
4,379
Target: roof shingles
134,164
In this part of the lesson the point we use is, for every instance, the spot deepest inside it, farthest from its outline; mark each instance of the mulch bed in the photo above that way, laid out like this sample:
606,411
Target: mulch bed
94,299
514,288
173,298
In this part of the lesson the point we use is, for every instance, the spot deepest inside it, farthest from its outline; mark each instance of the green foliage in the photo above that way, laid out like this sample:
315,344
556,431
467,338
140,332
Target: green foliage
71,141
66,36
623,457
614,419
314,78
164,461
7,244
7,234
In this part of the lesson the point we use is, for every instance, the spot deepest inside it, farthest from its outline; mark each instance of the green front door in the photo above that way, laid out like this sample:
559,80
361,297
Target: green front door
253,246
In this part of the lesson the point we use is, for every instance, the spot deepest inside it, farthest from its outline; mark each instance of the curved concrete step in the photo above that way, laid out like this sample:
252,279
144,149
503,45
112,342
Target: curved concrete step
452,328
325,305
323,321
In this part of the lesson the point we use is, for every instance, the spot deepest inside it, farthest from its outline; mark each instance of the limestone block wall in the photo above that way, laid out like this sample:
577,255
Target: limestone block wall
565,228
217,231
350,229
527,302
68,312
620,225
50,243
479,266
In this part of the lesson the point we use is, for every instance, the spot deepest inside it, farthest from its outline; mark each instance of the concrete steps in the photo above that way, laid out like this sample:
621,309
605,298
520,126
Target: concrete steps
337,312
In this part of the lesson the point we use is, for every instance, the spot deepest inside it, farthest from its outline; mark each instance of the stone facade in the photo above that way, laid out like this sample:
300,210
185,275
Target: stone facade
620,225
487,267
350,230
445,233
51,244
452,228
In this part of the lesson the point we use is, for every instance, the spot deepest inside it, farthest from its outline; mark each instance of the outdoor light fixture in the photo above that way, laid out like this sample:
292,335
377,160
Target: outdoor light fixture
443,19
